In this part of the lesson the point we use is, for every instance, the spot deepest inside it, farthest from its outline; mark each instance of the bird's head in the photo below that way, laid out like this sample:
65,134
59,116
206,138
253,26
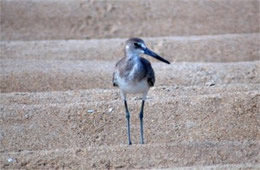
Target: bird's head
136,46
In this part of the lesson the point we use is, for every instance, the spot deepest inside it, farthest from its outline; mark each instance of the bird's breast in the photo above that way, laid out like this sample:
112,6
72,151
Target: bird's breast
129,86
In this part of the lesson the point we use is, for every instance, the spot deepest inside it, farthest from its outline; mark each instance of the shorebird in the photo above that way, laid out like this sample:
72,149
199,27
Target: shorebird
134,74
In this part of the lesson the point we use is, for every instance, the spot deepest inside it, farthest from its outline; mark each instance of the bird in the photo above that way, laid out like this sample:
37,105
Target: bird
134,74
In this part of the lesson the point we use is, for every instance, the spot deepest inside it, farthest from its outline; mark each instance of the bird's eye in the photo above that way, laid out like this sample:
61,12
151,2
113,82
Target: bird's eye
137,45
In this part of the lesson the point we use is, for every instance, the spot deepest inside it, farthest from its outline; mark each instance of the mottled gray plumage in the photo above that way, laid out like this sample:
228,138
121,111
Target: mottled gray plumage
125,66
134,74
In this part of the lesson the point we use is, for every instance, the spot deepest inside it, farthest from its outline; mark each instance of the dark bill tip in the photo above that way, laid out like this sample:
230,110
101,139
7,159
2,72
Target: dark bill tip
154,55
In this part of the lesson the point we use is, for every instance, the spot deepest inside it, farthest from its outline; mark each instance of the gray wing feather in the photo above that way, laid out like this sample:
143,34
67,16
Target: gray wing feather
114,81
149,73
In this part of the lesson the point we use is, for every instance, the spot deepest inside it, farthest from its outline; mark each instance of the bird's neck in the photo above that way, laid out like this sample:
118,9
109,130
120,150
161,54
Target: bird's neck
132,55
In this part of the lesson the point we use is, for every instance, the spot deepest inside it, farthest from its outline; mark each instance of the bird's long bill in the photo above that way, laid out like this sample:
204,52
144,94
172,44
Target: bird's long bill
153,54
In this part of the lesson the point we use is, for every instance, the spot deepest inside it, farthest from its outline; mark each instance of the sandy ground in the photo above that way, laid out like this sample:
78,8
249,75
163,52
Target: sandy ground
78,19
206,48
58,109
148,156
32,75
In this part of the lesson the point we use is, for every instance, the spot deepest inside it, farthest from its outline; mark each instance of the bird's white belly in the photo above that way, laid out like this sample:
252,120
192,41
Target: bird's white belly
133,87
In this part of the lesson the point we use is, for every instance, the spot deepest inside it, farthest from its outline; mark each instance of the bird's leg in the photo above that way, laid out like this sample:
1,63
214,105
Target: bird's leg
141,115
128,123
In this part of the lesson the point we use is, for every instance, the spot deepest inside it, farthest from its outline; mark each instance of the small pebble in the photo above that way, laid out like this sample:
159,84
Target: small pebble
110,110
90,111
210,84
11,160
137,98
26,116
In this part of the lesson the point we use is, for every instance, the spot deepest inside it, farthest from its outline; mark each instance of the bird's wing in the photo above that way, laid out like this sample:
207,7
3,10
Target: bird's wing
149,72
151,77
114,80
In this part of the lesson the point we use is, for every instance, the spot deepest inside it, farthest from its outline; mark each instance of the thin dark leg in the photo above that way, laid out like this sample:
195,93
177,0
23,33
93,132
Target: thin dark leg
128,123
141,115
